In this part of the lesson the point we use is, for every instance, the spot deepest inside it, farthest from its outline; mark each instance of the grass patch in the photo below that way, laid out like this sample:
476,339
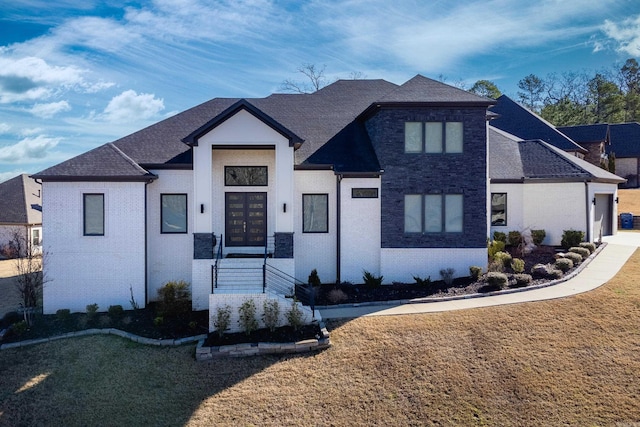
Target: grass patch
572,361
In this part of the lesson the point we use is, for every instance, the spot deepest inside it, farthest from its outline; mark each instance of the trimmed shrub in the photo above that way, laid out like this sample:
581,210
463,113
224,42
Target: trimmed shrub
222,319
496,280
499,236
158,321
538,236
517,265
337,296
63,314
115,311
583,252
588,245
175,298
571,238
422,282
271,314
314,279
574,257
447,275
247,320
515,238
542,271
92,311
495,247
496,266
294,315
371,280
19,328
475,272
564,264
522,280
503,257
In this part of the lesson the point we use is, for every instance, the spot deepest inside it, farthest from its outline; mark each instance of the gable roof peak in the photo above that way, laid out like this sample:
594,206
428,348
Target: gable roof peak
242,104
423,90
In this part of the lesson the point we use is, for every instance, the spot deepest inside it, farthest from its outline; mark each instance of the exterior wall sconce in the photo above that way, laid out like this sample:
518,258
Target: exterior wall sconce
616,200
201,207
284,207
594,201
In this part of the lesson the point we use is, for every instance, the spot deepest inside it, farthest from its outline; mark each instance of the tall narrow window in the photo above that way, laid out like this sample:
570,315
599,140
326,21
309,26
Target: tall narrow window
93,207
454,138
498,209
35,235
412,213
315,213
173,213
453,213
413,137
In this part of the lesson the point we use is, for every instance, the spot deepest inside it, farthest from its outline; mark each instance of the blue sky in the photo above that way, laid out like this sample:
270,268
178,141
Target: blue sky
75,74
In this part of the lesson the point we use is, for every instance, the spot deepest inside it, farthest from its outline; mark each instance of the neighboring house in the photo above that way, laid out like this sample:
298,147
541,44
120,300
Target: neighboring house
362,175
625,144
20,214
594,138
517,120
537,186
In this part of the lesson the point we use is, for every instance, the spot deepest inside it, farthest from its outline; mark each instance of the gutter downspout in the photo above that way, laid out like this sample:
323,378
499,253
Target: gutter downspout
338,225
586,198
146,245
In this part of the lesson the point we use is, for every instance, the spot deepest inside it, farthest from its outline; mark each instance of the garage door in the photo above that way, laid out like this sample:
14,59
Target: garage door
603,215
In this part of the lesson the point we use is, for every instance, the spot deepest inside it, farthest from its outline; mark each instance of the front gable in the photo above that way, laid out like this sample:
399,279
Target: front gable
242,123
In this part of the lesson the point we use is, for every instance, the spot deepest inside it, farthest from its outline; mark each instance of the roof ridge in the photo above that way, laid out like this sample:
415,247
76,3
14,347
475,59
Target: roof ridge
126,157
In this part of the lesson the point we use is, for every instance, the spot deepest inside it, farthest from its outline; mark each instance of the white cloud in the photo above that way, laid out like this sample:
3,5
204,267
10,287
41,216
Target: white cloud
5,176
46,111
625,34
130,107
4,127
31,78
28,149
30,131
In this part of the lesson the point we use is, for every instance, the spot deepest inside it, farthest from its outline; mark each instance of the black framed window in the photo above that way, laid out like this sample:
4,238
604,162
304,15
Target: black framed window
433,137
173,213
237,176
433,213
315,213
364,193
93,214
498,209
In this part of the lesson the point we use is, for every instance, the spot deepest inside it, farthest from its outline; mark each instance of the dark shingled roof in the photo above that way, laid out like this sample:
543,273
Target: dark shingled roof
514,160
20,201
324,124
625,139
587,133
106,162
421,89
517,120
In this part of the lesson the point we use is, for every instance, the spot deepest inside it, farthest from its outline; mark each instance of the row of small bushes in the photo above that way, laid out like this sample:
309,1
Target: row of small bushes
514,238
248,320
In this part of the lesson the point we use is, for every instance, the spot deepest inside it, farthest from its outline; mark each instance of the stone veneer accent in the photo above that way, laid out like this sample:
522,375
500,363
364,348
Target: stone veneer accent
464,173
203,244
253,349
283,245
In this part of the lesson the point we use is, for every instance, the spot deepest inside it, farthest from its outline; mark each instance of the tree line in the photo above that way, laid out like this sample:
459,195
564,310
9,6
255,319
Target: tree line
576,98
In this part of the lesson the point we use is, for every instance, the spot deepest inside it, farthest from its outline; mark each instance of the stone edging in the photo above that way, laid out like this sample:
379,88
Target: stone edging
202,353
107,331
423,300
262,348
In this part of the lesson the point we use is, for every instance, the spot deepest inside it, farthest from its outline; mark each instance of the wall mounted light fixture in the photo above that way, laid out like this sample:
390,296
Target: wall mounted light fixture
284,207
201,207
594,201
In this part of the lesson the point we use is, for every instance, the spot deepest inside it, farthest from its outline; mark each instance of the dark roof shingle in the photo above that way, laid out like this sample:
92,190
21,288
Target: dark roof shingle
20,201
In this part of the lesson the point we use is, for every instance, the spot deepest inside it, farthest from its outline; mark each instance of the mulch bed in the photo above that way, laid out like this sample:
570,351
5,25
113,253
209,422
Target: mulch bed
282,334
346,293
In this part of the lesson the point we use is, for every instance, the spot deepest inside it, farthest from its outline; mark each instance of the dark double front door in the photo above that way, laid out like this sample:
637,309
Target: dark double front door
245,219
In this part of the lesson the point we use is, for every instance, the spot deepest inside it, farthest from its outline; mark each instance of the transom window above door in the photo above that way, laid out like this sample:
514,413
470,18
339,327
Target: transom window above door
246,176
